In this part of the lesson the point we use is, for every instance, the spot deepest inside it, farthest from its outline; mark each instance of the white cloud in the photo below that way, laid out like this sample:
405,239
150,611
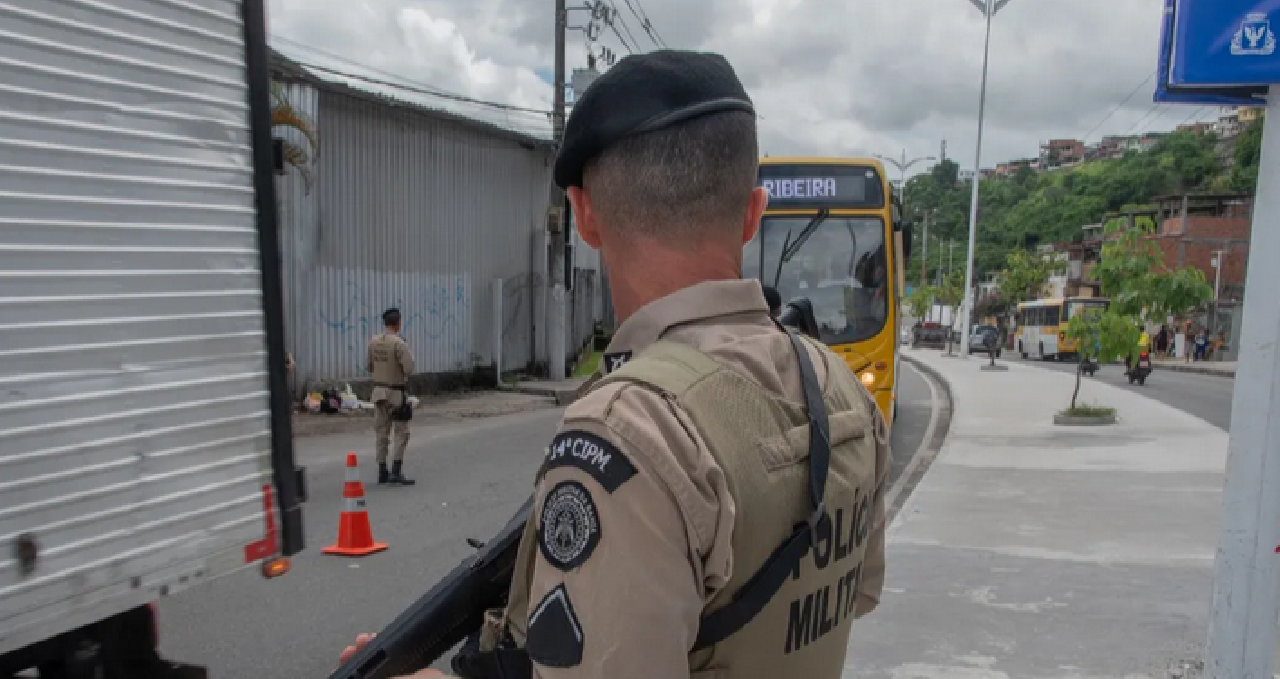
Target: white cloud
830,77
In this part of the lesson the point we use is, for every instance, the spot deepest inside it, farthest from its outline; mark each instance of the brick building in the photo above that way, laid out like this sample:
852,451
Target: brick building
1193,228
1059,152
1189,230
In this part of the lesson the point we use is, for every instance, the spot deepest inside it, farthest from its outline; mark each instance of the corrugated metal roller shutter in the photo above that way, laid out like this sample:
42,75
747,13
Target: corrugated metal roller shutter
134,417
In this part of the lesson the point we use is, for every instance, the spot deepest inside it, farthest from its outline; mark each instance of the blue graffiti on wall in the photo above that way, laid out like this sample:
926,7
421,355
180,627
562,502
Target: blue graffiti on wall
442,312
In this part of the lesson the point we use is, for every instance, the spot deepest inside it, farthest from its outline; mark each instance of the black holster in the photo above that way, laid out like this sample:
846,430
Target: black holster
404,411
504,662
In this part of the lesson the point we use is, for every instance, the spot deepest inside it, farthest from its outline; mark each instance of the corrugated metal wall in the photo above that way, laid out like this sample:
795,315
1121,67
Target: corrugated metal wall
418,212
299,234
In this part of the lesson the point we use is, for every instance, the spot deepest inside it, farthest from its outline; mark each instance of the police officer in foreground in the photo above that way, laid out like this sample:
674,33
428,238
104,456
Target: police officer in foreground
391,362
686,468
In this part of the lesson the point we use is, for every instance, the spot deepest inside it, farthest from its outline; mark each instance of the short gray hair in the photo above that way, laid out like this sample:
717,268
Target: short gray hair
678,181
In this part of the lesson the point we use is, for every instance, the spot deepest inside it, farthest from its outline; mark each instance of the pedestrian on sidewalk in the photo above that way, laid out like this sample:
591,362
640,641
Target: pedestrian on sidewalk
683,472
1202,343
391,362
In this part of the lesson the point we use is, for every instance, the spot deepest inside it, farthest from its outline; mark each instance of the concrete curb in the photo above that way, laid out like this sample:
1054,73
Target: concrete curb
1193,368
930,449
563,396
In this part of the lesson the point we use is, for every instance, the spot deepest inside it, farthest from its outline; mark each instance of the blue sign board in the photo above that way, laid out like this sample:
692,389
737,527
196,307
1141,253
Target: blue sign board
1170,92
1225,43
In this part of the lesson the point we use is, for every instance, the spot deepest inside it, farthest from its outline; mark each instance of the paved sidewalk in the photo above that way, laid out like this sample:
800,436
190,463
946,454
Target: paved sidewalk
563,391
1030,550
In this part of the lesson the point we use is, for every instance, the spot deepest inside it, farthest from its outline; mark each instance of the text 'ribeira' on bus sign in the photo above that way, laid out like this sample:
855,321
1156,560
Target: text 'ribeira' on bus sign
833,186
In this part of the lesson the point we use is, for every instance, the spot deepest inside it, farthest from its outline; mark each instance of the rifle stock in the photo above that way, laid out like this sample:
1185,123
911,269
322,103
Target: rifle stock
447,614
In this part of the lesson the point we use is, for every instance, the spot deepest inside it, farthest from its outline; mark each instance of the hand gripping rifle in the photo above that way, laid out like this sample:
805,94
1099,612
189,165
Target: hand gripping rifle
454,608
447,614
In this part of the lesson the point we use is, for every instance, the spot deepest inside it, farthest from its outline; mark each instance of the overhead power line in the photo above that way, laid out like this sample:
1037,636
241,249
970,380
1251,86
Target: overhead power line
1119,106
615,19
645,24
1143,119
400,82
417,89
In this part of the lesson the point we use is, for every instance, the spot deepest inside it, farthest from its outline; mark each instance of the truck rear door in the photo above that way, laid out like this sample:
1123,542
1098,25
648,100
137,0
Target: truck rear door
145,439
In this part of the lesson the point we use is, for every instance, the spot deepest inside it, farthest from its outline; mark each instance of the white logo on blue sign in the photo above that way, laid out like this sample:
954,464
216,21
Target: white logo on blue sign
1255,37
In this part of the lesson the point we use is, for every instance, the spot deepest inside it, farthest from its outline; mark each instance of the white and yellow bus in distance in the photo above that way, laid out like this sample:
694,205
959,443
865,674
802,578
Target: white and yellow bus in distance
1042,326
833,234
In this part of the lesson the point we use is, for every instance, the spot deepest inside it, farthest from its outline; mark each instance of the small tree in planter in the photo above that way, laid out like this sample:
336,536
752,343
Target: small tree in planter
951,294
1102,336
920,301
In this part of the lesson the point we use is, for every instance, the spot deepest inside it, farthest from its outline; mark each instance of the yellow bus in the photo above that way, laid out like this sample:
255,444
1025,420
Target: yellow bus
833,233
1042,326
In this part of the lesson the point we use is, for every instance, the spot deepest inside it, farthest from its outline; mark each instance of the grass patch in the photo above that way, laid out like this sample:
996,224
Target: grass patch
588,364
1089,411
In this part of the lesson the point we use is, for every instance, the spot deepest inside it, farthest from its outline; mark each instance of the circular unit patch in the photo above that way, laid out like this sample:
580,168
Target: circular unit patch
569,528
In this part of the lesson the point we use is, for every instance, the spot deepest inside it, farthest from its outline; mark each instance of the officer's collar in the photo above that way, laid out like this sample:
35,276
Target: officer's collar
694,304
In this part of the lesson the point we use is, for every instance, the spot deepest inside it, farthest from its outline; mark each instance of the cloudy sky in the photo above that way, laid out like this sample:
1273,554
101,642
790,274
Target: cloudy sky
829,77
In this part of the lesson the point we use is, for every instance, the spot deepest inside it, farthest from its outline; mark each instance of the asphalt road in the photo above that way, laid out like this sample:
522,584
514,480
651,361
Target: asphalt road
471,478
1207,397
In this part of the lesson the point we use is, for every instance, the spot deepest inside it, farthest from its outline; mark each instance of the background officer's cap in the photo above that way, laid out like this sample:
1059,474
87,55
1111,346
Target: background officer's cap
644,93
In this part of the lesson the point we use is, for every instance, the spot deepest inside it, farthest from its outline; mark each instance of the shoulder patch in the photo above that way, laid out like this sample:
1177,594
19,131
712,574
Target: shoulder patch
555,636
615,361
592,454
569,526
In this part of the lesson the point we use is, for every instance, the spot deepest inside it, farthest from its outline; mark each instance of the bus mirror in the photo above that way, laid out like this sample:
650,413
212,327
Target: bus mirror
908,228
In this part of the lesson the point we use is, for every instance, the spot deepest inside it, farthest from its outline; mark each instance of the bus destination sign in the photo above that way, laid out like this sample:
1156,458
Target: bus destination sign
832,186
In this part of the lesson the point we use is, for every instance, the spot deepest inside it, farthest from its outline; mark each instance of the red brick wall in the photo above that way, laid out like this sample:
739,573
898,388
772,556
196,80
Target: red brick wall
1183,252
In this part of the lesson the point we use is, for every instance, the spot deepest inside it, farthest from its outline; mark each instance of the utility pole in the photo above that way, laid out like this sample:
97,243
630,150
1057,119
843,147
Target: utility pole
1242,625
989,9
556,219
924,258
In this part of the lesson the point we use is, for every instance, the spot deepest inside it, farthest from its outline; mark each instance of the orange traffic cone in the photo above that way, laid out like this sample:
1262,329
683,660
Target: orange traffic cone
355,534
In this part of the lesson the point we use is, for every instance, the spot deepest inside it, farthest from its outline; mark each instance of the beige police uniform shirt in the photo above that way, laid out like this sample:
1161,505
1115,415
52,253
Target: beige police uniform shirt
624,597
391,362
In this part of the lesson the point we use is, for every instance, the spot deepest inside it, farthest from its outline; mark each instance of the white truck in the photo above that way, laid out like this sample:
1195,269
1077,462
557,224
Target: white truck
145,438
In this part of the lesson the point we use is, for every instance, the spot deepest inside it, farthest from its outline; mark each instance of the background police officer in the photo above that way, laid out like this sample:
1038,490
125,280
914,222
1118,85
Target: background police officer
687,463
391,362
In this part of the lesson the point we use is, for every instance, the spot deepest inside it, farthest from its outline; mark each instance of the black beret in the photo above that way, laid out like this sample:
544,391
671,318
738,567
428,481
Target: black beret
643,93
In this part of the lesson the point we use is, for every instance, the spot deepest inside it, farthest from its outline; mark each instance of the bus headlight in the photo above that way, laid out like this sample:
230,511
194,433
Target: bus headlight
868,378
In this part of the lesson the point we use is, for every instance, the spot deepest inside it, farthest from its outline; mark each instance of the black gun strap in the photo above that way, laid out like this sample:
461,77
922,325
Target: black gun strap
759,589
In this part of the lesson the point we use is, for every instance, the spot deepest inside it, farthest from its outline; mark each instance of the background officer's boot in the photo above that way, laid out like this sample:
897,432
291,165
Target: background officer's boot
397,478
383,477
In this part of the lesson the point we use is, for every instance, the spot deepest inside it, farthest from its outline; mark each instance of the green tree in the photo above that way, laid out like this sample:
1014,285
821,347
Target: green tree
950,294
1244,176
1103,337
1139,284
920,301
1025,275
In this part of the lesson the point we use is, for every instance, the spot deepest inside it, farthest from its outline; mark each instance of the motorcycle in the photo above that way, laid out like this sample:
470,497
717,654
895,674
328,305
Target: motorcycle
1139,370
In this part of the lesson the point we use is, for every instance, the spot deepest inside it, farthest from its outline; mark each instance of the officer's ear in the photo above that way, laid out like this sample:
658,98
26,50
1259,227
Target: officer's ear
755,210
584,217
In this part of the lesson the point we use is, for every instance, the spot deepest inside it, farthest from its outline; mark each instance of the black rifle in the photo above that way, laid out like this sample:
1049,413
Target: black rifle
447,614
454,609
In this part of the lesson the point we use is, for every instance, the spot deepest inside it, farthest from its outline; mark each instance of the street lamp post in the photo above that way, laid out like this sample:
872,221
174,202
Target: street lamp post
989,9
903,166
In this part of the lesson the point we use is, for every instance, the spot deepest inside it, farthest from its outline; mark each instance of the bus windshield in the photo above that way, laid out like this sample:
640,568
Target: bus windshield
840,268
1074,306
